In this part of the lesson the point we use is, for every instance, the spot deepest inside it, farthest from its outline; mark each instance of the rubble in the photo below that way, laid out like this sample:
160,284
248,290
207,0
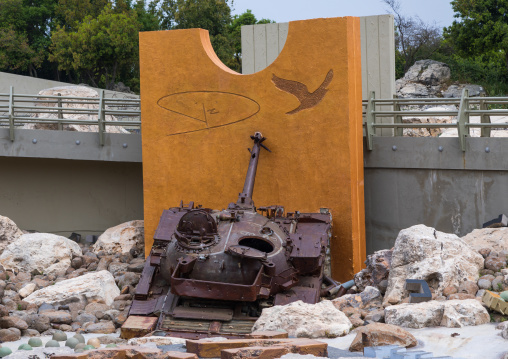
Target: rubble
377,269
302,320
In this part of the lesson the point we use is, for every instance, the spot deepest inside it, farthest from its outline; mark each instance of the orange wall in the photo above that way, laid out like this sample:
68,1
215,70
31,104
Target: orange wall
198,116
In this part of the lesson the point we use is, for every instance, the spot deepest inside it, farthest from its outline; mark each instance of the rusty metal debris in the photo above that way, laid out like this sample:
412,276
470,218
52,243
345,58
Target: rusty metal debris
211,272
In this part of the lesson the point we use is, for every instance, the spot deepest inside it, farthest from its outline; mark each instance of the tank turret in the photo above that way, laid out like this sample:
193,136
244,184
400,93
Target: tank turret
211,272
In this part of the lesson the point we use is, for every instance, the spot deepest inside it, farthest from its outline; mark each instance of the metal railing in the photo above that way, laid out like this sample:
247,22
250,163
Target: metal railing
465,108
17,110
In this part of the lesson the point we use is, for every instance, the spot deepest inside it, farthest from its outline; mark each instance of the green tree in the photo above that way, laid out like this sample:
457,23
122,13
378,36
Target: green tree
235,35
70,13
101,49
147,15
212,15
25,26
483,27
16,55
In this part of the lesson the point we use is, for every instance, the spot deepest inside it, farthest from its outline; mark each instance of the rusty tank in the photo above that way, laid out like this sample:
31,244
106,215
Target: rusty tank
211,272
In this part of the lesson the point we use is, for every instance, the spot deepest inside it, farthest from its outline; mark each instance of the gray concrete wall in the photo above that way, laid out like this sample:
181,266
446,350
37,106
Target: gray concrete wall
64,196
27,85
71,145
450,190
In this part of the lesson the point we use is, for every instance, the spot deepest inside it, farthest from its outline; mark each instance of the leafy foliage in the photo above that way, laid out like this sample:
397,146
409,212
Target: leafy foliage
15,53
100,49
483,27
96,41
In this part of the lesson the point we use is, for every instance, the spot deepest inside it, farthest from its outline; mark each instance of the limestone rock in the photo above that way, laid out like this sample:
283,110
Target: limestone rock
377,269
9,232
93,308
129,279
58,316
423,79
122,238
13,322
495,263
27,290
428,72
504,332
469,287
85,318
78,91
101,327
449,313
299,319
10,335
496,239
117,268
439,258
94,286
455,91
461,296
157,340
40,252
38,322
382,334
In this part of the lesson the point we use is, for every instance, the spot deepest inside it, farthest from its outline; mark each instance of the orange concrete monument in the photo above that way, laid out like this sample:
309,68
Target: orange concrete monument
197,116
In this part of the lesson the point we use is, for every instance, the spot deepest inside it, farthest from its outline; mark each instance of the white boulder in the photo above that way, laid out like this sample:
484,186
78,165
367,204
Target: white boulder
76,91
495,239
27,290
41,253
9,232
121,238
447,313
299,319
91,287
441,259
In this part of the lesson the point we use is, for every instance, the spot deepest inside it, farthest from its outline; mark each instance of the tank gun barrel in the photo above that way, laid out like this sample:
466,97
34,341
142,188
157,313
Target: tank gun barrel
245,198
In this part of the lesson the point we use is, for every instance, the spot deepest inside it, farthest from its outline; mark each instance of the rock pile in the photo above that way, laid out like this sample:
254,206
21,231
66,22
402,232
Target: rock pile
456,269
426,78
430,79
49,282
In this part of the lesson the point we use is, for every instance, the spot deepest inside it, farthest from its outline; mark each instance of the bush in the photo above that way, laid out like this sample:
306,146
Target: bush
487,70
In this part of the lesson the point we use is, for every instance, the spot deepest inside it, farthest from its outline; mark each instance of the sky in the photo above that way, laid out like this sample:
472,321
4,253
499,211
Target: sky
431,11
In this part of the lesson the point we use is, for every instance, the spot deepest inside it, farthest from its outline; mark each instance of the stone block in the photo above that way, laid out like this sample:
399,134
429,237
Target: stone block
213,349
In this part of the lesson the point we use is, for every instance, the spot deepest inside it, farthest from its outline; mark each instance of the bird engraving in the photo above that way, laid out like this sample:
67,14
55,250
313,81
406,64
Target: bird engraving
301,92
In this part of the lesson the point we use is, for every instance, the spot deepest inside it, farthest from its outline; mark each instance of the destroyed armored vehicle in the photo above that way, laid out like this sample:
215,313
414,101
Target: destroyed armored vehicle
211,272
